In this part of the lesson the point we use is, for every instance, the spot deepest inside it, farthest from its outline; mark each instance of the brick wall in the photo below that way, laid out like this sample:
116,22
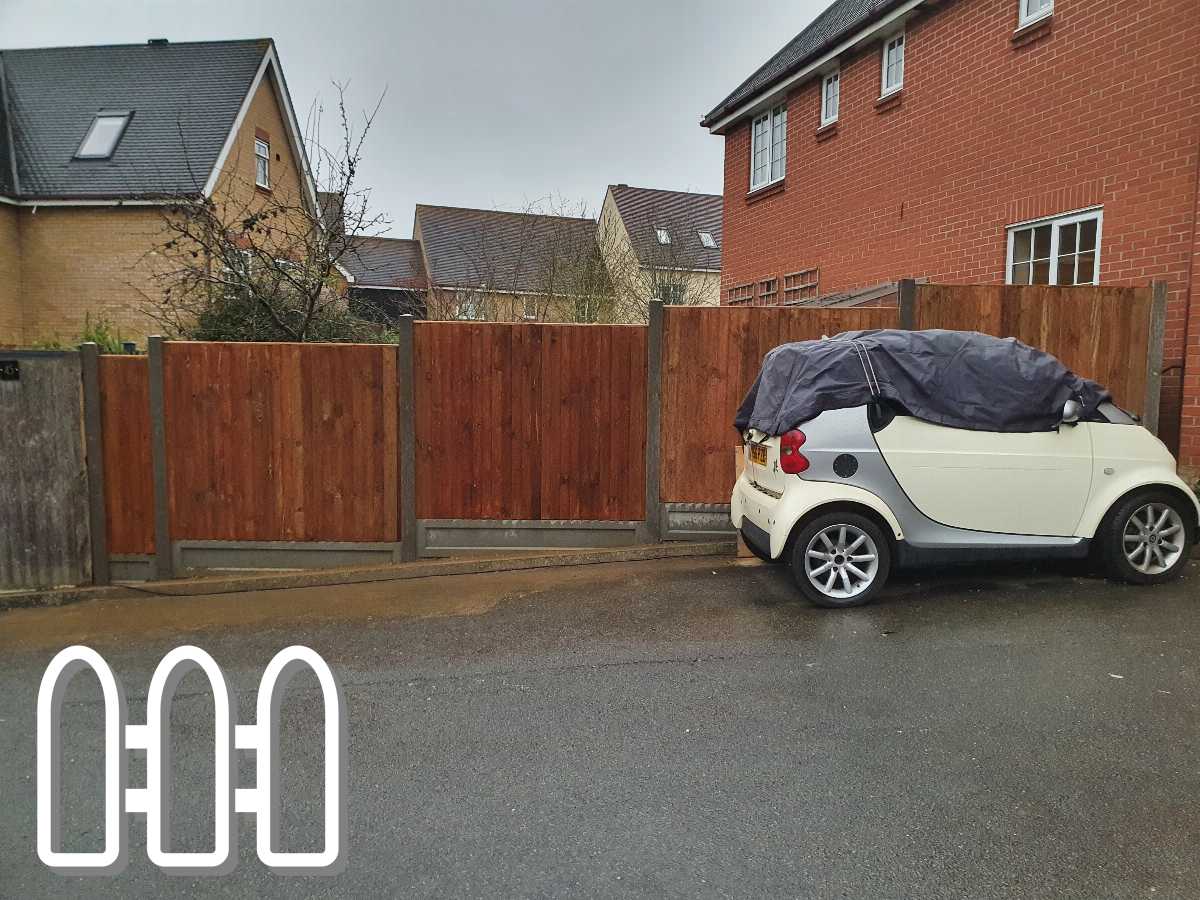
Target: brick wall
1099,108
10,276
81,262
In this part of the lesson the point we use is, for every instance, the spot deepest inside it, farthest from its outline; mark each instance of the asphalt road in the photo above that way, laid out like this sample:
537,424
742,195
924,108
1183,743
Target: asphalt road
681,728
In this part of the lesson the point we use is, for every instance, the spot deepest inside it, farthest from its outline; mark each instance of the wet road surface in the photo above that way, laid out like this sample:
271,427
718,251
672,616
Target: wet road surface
666,728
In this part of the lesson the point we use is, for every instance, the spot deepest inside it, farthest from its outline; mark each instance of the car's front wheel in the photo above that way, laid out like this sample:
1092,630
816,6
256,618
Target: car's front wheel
1145,539
840,559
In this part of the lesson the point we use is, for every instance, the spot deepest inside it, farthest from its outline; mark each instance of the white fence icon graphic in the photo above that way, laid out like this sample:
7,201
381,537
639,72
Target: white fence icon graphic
260,801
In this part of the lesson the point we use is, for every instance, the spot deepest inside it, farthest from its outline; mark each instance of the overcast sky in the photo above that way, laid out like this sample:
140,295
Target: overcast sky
489,104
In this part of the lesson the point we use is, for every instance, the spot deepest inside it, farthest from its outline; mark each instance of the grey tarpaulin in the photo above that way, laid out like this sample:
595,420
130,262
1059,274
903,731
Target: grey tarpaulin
961,379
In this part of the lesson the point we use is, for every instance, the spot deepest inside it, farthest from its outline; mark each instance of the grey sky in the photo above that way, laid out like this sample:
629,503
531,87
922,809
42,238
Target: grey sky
488,104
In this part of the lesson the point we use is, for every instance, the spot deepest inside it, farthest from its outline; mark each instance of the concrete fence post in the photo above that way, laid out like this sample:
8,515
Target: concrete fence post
164,563
1154,355
907,291
654,350
406,421
93,436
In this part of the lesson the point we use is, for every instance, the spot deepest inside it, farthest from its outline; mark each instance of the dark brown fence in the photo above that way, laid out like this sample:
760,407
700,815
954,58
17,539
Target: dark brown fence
128,470
1100,332
281,442
710,357
517,432
530,422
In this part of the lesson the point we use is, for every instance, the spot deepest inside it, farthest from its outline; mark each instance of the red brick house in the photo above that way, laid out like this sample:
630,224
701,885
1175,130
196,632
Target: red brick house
985,141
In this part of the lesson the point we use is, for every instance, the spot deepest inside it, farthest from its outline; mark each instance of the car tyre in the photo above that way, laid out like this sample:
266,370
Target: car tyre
840,559
1145,538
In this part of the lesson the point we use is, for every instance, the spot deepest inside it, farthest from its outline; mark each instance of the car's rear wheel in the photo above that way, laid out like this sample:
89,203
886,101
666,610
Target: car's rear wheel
1145,538
840,559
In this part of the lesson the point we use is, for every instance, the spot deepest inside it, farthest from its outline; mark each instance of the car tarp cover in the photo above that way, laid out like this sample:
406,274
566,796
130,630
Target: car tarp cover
961,379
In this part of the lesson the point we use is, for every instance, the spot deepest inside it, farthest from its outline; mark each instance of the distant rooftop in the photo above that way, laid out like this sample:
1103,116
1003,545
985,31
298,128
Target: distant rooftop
492,249
683,215
386,263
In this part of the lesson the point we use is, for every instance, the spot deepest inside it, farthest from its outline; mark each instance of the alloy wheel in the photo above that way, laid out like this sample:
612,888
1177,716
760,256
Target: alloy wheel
1153,538
841,561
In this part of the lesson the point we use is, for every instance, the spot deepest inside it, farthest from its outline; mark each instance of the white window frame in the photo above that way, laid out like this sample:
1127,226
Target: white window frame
1058,222
776,137
886,90
707,241
265,156
115,115
835,78
663,235
1027,15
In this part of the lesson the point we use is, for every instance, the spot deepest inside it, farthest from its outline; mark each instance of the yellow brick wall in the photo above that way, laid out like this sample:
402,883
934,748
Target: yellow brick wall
11,331
236,187
80,261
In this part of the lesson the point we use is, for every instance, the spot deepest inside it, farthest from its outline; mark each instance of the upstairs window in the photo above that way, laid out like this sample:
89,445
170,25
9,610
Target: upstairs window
768,147
1032,10
1064,250
262,163
707,241
831,95
664,236
893,64
103,134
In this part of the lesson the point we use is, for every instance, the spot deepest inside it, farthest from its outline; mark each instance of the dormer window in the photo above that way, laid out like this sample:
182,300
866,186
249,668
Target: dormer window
707,240
262,163
103,134
664,236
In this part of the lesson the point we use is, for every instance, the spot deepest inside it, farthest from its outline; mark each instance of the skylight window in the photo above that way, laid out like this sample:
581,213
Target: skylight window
102,137
707,240
664,236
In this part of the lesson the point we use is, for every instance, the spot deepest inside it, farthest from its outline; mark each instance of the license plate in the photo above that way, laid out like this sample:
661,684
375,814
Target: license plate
758,454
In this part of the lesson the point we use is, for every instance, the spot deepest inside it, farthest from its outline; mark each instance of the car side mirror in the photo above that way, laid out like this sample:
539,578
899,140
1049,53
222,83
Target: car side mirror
1072,410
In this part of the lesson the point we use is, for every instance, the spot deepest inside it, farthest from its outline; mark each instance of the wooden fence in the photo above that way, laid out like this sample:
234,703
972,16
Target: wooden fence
530,422
511,434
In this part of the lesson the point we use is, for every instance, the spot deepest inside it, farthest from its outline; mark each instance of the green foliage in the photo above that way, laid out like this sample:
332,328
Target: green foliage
241,316
103,333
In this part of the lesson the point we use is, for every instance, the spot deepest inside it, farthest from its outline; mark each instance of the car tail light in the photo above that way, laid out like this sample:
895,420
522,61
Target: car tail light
791,460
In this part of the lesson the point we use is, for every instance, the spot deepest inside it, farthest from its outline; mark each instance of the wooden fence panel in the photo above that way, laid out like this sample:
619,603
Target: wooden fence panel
282,442
44,524
520,421
1102,333
711,356
128,469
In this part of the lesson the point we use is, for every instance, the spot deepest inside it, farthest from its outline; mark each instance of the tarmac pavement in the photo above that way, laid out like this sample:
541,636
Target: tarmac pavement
682,727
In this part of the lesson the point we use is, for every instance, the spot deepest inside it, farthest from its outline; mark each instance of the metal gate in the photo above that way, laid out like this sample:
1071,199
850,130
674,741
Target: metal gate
44,525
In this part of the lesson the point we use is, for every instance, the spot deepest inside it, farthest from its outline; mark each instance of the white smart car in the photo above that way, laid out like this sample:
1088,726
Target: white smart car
848,494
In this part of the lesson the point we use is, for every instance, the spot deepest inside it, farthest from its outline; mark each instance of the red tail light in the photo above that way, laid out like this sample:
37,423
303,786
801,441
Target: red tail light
791,460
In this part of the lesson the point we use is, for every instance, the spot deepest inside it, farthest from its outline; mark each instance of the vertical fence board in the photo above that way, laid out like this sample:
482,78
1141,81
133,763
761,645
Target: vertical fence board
128,470
43,483
282,442
710,359
1103,333
518,421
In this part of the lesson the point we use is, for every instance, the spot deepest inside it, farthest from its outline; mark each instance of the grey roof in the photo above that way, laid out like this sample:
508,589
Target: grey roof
839,20
684,215
385,262
184,98
502,251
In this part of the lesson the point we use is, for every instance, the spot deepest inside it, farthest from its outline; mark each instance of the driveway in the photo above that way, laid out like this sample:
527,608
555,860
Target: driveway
669,728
